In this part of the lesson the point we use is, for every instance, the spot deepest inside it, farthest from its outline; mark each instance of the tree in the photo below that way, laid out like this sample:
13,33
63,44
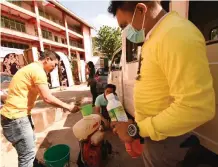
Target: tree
108,40
95,50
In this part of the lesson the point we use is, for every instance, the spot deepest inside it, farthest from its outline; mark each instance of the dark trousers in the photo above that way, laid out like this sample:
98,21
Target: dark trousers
164,153
94,93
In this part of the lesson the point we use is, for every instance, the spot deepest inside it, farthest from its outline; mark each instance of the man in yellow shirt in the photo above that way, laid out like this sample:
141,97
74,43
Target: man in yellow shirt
26,85
174,92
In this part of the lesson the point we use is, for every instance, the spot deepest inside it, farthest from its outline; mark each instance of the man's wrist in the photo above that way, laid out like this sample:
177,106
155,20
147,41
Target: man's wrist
133,131
67,107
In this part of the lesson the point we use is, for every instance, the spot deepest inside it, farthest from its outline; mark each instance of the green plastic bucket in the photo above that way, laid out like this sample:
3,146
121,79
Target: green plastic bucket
86,110
57,156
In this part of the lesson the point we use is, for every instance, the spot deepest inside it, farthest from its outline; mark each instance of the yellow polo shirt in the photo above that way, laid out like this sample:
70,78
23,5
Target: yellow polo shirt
22,92
175,92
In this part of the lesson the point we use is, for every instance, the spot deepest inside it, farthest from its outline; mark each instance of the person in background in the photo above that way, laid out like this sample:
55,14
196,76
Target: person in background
25,86
173,93
91,81
101,104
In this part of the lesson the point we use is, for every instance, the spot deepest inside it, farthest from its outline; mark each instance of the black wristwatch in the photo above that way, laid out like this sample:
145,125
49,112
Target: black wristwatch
133,131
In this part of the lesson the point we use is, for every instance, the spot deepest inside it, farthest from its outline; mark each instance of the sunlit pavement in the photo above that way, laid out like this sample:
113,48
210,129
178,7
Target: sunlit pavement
52,127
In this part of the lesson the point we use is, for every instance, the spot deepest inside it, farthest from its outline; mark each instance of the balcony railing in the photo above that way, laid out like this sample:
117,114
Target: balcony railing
20,4
51,18
48,37
76,29
14,45
76,44
12,24
58,21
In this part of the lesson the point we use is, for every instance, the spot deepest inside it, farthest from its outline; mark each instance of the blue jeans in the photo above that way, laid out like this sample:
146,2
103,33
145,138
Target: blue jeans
20,133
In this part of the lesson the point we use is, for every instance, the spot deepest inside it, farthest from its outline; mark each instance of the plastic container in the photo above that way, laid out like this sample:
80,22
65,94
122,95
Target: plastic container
86,110
86,126
57,156
134,149
115,109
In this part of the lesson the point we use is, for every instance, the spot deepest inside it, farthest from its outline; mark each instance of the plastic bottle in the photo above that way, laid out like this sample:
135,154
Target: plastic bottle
115,109
134,148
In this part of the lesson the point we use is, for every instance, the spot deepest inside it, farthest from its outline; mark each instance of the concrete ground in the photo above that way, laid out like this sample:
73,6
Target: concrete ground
60,132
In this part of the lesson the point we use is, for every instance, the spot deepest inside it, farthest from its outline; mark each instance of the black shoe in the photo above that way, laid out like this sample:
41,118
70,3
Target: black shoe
36,163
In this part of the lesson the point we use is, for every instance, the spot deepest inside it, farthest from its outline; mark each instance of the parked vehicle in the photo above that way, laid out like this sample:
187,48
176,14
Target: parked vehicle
5,81
124,65
101,76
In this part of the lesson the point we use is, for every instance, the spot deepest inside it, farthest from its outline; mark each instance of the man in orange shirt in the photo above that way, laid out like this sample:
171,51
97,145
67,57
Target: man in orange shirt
26,85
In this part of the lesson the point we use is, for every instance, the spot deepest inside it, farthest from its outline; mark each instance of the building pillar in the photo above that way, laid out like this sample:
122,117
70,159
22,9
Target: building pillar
79,65
38,25
87,43
67,34
181,7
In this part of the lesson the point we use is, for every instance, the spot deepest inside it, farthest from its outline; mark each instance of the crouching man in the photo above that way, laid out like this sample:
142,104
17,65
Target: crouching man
101,104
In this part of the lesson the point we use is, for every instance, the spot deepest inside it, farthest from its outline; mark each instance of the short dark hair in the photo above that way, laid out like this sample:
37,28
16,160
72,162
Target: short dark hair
48,53
111,86
125,5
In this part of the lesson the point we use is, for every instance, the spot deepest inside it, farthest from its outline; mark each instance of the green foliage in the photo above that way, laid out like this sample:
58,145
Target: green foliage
75,72
95,50
108,40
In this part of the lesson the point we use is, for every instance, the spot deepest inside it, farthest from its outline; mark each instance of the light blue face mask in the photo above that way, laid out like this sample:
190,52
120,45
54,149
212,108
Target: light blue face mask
133,35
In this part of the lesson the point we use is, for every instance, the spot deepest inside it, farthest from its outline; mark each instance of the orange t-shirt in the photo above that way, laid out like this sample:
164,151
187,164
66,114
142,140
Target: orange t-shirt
22,92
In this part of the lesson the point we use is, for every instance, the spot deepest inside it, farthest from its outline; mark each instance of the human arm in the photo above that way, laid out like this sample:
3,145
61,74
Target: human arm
98,109
184,64
47,97
39,80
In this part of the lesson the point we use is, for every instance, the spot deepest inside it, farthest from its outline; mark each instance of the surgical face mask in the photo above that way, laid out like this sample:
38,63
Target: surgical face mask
133,35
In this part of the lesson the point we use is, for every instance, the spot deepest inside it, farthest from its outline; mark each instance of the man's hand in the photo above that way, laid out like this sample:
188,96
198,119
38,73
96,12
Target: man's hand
120,128
106,123
74,108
